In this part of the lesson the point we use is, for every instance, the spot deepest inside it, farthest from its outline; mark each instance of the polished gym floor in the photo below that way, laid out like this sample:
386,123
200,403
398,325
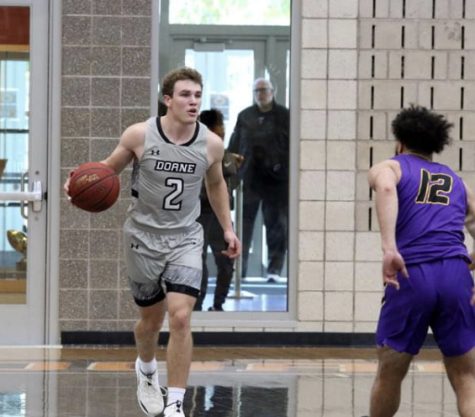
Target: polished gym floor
224,382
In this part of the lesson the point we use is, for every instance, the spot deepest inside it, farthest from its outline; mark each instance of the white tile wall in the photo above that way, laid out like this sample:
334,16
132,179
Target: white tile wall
312,8
351,87
314,63
314,94
339,276
338,306
311,275
340,185
342,33
342,64
340,216
312,185
340,155
312,154
311,246
310,306
343,9
339,246
312,215
313,124
314,33
341,125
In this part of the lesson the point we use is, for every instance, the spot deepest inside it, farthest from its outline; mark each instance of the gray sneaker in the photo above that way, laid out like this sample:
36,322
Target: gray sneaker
174,410
149,393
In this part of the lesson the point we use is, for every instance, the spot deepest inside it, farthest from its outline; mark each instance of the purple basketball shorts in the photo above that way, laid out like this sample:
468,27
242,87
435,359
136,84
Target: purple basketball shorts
436,295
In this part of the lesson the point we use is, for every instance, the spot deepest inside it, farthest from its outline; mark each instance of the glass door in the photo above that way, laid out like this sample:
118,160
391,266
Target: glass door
228,75
23,156
229,70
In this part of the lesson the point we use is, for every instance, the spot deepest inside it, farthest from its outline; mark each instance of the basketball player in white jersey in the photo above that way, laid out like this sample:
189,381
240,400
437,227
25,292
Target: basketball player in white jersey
162,240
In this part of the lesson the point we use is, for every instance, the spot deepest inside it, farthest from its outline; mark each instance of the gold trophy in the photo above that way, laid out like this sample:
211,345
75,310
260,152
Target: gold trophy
18,241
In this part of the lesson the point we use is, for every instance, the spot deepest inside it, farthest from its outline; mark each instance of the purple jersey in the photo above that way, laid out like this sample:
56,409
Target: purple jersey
432,209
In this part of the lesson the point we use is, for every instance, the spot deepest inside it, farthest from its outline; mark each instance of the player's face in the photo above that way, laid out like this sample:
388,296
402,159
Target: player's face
186,101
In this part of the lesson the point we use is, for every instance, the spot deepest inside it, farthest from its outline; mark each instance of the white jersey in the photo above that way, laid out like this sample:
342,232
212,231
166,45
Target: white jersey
166,181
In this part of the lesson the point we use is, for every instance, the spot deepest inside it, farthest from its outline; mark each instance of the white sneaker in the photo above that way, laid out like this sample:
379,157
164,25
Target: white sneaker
273,278
174,410
149,393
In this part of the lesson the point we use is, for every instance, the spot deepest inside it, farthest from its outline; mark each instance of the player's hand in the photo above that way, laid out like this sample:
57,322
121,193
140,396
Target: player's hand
234,245
392,264
238,159
66,184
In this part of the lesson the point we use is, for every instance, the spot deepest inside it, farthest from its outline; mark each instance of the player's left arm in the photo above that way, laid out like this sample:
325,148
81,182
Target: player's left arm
218,194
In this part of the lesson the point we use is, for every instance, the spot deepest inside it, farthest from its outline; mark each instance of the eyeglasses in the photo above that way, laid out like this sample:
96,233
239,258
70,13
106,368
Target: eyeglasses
262,90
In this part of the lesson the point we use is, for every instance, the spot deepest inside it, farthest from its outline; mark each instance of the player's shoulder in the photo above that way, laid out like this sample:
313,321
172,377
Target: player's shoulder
134,134
388,166
214,140
136,128
214,145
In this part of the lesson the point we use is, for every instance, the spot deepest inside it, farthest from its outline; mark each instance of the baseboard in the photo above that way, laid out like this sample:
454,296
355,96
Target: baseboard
263,339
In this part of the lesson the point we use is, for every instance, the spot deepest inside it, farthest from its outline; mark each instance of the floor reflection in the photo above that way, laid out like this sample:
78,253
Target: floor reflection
254,294
64,386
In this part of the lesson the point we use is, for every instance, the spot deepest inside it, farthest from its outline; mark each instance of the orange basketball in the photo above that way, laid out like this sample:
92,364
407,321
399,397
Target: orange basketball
94,187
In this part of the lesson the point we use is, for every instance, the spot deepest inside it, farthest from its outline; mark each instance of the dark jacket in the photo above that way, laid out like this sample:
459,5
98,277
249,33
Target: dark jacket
263,139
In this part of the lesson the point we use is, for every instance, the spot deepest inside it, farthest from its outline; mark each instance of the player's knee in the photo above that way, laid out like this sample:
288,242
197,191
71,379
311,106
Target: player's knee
148,325
179,320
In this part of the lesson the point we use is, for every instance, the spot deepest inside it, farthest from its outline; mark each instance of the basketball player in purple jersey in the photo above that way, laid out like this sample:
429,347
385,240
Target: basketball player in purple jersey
422,207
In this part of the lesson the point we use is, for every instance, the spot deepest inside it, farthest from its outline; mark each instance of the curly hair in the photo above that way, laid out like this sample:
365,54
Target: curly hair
212,118
180,74
421,130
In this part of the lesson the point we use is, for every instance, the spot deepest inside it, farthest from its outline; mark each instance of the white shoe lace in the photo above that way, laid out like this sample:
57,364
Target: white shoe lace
174,410
150,392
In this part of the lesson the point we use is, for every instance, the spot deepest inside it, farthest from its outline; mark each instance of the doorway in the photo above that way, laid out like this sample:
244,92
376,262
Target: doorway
23,166
230,58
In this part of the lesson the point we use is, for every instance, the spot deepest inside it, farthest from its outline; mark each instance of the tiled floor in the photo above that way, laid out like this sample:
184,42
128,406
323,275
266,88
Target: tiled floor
276,382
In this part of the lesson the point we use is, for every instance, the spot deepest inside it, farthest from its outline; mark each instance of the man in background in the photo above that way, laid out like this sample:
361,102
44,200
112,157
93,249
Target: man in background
261,136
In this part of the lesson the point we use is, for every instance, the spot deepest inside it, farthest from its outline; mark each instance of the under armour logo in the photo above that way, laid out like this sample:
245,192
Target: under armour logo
155,152
134,245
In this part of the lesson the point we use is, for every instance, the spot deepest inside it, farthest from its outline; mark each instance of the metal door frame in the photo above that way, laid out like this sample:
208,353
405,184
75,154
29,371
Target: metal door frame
36,322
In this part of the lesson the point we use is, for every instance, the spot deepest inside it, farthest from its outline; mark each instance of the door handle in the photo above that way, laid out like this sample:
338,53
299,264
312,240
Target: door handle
35,196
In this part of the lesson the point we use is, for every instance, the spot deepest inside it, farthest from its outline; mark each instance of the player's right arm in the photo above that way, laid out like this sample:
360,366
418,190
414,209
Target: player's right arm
383,179
130,146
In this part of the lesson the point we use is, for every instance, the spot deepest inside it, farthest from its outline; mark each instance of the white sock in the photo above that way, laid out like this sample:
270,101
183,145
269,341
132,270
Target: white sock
148,367
175,394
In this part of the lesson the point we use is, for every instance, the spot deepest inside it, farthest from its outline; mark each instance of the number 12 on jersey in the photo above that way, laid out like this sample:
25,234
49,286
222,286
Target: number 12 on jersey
433,188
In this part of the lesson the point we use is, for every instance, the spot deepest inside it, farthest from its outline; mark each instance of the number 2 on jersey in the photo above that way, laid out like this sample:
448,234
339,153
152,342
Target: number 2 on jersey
433,188
170,201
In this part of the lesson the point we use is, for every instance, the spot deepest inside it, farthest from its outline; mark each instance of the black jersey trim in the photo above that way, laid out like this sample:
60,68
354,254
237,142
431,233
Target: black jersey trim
162,133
